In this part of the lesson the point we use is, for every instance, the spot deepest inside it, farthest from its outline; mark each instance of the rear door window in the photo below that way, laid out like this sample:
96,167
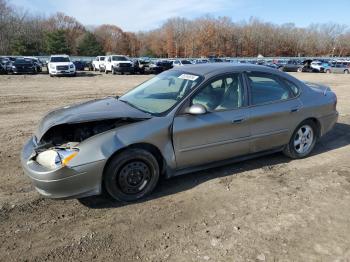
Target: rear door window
267,88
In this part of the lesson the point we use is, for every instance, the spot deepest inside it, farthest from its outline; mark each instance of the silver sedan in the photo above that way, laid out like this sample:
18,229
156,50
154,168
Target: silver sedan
182,120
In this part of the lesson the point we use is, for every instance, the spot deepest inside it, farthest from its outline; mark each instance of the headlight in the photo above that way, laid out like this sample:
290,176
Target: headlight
55,158
71,66
52,66
116,64
14,67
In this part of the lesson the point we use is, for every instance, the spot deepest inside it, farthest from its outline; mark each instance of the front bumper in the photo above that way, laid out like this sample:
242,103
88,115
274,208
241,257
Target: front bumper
124,69
64,182
62,72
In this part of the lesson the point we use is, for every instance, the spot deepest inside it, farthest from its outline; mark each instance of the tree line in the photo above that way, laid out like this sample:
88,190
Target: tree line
23,33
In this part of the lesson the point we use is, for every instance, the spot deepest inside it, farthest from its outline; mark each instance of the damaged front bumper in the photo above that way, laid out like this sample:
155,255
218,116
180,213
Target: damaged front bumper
64,181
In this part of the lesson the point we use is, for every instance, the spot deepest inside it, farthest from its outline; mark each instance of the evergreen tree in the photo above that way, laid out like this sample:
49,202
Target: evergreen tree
89,46
56,42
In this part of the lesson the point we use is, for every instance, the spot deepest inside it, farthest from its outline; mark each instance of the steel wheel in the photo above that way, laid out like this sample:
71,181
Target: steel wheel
303,139
133,177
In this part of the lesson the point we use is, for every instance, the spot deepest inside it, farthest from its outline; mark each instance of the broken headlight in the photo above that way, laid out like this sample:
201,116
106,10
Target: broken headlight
55,158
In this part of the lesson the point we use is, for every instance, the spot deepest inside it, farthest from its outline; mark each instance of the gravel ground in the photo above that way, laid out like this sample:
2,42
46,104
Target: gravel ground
266,209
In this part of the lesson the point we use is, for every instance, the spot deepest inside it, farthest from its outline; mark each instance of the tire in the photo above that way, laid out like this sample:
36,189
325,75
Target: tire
131,175
306,135
51,75
100,69
113,71
346,71
299,70
106,71
328,71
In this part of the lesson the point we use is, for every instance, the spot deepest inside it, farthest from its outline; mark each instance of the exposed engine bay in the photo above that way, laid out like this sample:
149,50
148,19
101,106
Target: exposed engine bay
78,132
59,144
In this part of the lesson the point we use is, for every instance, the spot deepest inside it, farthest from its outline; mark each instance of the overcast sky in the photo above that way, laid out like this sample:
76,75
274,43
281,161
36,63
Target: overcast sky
136,15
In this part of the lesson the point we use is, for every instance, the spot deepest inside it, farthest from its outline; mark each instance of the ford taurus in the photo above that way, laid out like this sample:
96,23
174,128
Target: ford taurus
182,120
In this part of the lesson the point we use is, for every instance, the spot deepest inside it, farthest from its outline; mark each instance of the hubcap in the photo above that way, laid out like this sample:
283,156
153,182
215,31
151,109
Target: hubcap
134,177
303,139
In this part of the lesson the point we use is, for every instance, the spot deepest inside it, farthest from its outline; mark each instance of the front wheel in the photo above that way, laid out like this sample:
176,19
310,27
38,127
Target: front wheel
346,71
328,71
131,175
302,141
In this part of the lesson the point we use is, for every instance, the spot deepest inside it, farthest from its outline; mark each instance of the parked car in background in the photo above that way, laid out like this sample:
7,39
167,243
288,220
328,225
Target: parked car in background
37,63
79,65
337,68
216,60
4,61
99,63
181,62
21,65
182,120
118,64
291,66
201,61
140,65
318,66
61,65
165,64
307,68
89,66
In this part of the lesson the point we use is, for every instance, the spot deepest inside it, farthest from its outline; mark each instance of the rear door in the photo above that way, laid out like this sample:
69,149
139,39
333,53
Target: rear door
222,132
275,110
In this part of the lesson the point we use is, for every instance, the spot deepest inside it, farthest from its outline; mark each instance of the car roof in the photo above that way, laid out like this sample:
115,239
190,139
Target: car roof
59,55
209,69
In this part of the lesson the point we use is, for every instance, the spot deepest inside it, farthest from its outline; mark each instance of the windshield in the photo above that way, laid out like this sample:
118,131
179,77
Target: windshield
162,92
102,58
119,58
186,62
22,61
59,59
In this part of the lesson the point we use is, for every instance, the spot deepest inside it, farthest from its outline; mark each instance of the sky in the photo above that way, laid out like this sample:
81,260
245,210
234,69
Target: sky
142,15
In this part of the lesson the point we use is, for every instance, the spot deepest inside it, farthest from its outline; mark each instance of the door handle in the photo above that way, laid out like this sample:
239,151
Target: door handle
238,120
295,109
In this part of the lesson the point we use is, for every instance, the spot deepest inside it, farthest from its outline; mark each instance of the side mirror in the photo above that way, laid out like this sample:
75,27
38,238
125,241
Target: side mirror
196,109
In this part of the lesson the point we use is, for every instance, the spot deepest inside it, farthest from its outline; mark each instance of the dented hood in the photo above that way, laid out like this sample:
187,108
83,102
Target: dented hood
100,109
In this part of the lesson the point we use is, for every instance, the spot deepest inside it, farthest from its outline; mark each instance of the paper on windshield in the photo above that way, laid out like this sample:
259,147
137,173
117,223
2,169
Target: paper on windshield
188,77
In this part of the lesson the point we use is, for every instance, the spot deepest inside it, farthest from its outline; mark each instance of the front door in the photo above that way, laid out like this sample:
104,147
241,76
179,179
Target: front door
222,133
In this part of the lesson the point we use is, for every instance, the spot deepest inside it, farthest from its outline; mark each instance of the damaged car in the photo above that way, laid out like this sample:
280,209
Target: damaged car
183,120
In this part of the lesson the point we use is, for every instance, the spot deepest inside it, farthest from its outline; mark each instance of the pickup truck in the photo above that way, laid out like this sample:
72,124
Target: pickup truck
119,64
99,63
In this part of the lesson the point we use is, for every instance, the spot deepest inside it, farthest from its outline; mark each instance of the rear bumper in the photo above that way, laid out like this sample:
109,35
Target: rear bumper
64,182
328,122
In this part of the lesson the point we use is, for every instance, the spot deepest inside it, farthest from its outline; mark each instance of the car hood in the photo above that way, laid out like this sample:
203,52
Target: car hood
61,63
100,109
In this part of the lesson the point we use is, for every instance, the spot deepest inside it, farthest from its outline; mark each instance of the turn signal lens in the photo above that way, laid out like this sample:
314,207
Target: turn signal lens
68,158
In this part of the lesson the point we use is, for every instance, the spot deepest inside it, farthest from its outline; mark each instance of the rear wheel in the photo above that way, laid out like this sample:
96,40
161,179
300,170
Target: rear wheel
328,71
113,71
302,141
299,70
131,175
346,71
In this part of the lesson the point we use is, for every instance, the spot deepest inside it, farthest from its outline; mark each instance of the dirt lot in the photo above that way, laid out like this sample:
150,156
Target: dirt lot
267,209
